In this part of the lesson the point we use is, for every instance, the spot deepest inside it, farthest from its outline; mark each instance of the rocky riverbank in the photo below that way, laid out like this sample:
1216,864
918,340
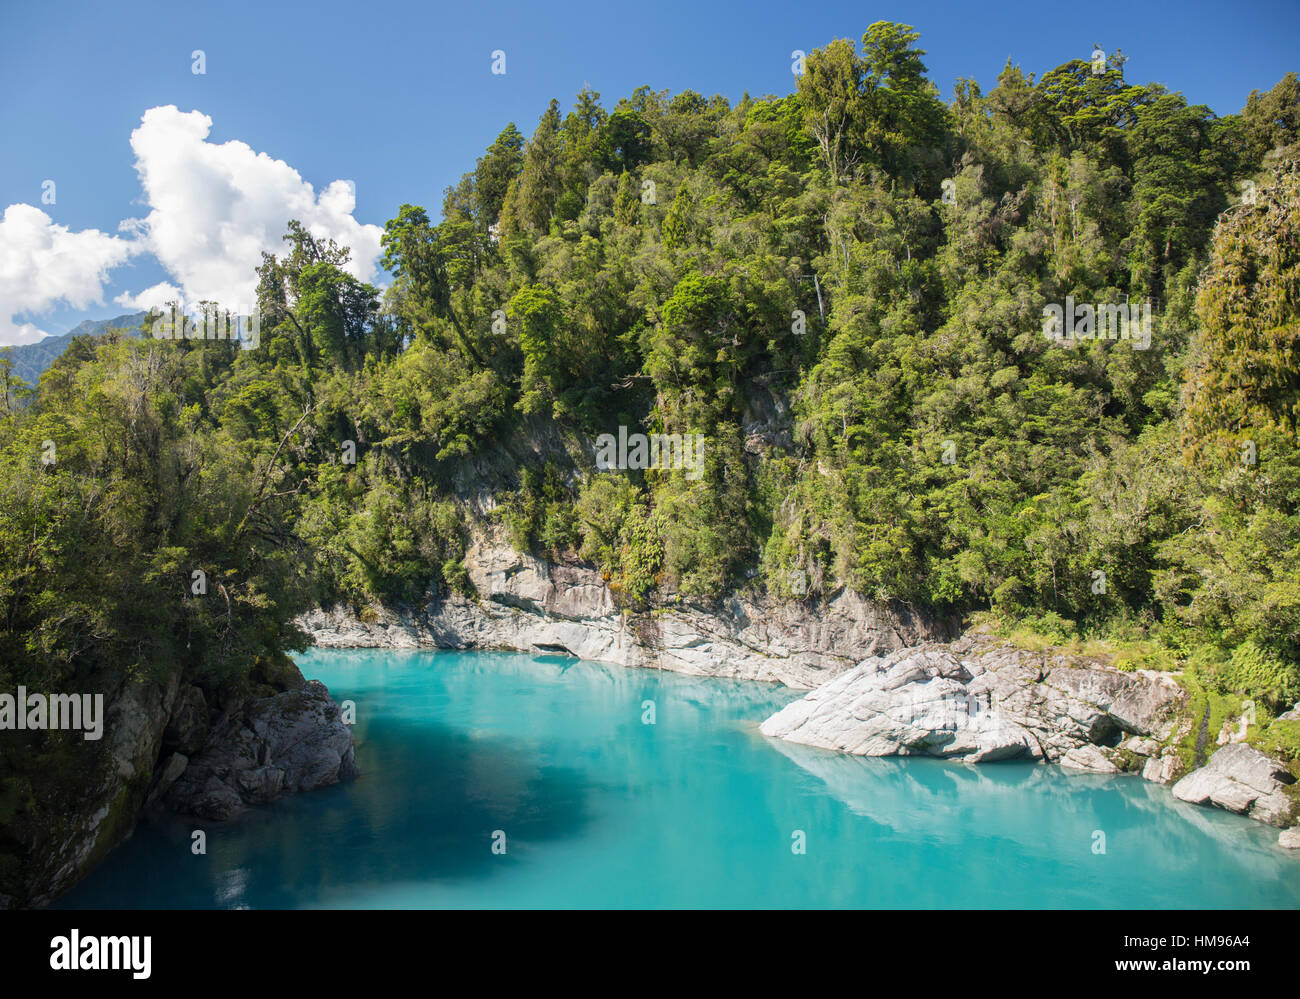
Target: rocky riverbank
883,682
978,700
527,604
268,747
167,749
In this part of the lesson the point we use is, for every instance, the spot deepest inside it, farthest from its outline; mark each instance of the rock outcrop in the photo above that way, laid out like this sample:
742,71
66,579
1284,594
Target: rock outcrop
1163,769
977,700
527,604
161,749
272,746
1089,759
1241,779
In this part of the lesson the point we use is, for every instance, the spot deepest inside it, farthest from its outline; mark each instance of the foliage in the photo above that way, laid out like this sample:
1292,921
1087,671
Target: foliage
840,290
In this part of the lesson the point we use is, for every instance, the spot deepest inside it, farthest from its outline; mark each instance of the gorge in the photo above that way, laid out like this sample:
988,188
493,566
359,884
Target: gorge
918,580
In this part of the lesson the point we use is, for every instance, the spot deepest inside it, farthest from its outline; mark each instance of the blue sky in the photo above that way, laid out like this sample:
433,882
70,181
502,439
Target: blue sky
398,99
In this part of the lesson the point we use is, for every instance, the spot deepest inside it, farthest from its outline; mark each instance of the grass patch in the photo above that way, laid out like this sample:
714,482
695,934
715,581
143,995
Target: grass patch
1282,740
1126,650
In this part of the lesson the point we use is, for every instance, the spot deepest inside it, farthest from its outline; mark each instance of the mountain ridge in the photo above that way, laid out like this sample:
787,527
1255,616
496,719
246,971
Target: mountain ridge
30,359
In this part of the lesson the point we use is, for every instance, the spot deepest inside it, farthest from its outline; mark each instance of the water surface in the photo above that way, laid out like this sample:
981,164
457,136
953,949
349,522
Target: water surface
600,809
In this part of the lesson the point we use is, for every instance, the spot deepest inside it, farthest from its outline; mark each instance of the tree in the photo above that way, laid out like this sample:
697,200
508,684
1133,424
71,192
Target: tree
831,93
495,170
532,201
1245,369
537,315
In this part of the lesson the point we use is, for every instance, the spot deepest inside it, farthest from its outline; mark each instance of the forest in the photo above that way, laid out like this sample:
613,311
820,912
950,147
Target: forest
840,292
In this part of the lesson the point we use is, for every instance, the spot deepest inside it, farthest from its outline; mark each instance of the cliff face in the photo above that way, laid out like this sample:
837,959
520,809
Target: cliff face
164,747
527,604
91,803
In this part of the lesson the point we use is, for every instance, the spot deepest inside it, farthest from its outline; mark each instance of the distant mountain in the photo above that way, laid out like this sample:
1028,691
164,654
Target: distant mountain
30,359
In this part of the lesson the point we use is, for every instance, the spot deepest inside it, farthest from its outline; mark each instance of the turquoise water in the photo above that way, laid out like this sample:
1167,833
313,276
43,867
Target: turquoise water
698,809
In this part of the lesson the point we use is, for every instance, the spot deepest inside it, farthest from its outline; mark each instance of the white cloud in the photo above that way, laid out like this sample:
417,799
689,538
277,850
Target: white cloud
43,264
216,207
154,297
213,209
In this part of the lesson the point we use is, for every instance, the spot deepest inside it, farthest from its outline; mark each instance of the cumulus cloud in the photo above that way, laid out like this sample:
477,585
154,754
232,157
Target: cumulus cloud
43,264
216,207
153,297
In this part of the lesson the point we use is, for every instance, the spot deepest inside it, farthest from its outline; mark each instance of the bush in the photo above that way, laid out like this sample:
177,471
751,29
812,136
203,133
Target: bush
1259,675
1282,740
456,576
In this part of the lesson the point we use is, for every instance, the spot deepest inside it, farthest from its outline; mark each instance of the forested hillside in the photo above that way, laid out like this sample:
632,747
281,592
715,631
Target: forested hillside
842,289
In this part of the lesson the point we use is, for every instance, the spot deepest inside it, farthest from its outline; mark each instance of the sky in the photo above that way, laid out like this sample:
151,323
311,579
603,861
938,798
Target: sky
127,178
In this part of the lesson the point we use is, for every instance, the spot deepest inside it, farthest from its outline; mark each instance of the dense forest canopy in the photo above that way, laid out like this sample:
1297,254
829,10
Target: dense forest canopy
841,290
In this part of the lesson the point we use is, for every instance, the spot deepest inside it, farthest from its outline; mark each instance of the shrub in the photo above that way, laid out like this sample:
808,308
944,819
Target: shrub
1258,674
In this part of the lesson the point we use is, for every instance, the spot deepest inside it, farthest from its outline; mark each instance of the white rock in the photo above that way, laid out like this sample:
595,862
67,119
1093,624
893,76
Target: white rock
1089,759
526,604
1240,779
1141,747
978,700
1162,769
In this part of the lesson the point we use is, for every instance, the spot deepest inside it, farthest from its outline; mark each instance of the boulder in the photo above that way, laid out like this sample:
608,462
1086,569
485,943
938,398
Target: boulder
1232,730
977,700
1289,838
1089,759
1241,779
1140,747
1162,769
269,747
1149,704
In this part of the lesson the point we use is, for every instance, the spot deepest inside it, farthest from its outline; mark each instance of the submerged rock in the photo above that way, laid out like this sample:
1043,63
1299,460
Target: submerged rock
977,700
269,747
1241,779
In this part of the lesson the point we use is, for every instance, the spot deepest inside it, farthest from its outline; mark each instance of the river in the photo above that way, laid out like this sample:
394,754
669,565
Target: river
510,780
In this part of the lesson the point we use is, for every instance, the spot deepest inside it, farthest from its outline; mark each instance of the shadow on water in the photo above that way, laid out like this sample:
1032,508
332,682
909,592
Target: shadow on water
456,789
